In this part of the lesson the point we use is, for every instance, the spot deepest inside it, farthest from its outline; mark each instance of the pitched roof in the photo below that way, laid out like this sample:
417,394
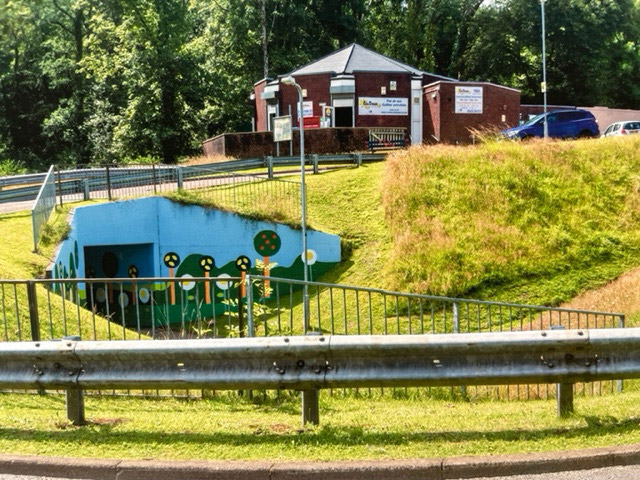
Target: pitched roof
356,58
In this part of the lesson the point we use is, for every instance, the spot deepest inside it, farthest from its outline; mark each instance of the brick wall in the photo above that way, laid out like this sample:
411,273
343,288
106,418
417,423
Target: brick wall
368,85
260,107
455,127
260,144
317,87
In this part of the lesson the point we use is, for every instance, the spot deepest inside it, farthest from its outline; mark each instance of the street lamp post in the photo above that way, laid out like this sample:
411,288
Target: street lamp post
289,80
544,70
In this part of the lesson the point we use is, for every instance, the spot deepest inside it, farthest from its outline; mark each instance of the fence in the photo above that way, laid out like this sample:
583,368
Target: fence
43,206
137,180
222,307
313,363
387,138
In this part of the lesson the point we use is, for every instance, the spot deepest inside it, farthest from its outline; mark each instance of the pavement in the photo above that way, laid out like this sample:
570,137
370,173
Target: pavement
530,466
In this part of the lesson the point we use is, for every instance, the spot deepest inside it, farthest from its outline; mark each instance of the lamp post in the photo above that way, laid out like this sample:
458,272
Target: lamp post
544,70
289,80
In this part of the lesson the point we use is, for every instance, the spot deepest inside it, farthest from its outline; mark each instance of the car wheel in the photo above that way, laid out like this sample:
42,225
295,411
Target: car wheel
585,134
526,138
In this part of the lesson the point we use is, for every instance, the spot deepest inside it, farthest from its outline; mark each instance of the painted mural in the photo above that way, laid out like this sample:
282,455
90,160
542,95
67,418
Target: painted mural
125,242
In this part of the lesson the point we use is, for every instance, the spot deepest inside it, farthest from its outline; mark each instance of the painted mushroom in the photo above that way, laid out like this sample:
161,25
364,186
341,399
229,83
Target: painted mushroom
171,261
267,243
243,264
207,264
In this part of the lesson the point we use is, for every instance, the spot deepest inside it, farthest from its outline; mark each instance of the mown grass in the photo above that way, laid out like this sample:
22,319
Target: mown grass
536,222
58,317
351,428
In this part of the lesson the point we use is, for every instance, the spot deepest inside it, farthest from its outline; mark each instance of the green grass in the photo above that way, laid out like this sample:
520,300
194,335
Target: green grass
536,223
58,317
351,428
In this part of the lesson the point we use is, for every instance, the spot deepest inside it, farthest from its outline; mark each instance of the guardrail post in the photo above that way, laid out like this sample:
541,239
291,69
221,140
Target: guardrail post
564,392
179,176
155,178
32,299
314,160
249,306
85,189
108,182
270,167
358,159
75,398
620,383
456,329
240,312
310,407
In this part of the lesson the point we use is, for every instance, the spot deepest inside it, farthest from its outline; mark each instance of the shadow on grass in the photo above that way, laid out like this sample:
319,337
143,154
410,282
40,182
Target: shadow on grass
103,433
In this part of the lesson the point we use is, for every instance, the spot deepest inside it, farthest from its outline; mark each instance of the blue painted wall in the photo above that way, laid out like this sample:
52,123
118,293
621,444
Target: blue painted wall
141,231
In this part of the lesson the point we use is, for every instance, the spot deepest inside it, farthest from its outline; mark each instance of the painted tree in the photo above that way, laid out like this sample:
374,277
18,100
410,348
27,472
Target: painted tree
267,243
243,264
171,261
207,264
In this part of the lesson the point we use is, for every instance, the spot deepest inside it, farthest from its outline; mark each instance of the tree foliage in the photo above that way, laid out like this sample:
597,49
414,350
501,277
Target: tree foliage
111,80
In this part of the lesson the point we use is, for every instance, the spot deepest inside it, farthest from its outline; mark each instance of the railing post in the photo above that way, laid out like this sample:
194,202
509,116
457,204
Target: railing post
270,167
314,160
108,182
179,176
75,398
85,189
240,312
155,179
32,299
249,306
358,159
59,185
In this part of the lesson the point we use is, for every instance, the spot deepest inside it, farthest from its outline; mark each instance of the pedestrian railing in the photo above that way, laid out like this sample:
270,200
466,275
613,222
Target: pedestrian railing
43,205
258,306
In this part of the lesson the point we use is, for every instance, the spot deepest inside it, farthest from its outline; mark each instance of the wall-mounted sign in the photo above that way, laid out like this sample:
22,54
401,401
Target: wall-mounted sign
282,129
383,106
393,85
307,109
468,100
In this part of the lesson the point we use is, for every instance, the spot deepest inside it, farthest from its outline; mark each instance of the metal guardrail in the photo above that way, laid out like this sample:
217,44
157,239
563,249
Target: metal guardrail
319,362
224,307
25,187
43,206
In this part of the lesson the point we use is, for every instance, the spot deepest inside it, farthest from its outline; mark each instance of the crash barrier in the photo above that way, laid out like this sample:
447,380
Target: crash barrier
258,306
314,362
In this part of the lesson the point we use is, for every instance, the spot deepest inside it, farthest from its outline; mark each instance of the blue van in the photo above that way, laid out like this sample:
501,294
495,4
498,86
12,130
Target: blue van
573,123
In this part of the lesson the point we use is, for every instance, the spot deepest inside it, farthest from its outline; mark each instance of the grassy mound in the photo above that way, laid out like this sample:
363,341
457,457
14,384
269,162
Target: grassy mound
536,222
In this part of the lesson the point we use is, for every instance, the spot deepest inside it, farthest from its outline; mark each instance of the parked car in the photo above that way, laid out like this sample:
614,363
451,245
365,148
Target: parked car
572,123
622,128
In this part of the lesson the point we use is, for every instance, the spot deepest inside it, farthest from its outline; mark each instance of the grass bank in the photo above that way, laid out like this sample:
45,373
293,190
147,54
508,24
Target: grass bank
535,223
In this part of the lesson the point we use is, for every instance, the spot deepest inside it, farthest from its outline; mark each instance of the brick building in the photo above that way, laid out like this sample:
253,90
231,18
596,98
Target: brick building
366,89
362,87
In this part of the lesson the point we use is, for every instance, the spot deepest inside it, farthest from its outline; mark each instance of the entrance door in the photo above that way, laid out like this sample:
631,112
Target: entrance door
343,116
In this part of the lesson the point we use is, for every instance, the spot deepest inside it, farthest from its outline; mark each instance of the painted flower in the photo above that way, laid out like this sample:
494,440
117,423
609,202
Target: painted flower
187,283
101,295
224,284
312,257
144,295
123,300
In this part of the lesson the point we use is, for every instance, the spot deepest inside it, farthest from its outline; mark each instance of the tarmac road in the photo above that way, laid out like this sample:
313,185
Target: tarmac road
613,473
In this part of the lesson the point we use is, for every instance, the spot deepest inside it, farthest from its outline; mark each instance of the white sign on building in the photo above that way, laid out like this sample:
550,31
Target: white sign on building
468,100
383,106
307,108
